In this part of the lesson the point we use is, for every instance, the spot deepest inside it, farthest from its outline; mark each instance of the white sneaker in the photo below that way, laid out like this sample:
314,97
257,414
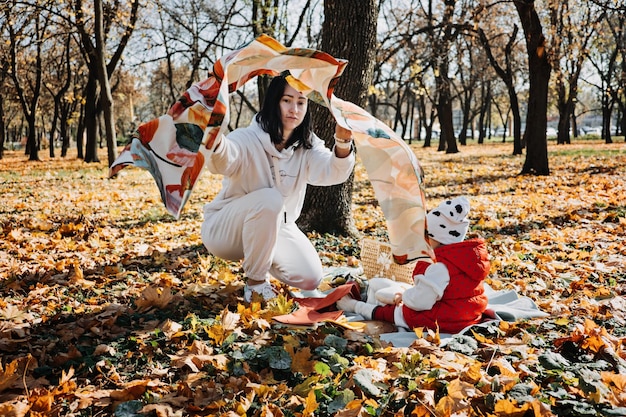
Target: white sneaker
266,290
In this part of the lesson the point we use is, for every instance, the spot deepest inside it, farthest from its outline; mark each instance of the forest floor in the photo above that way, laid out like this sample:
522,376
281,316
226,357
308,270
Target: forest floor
109,306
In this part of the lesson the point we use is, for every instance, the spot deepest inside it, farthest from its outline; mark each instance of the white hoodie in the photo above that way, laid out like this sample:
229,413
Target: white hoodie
249,161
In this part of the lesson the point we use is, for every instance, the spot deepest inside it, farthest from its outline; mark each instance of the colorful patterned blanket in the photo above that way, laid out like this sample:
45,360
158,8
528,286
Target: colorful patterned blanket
173,147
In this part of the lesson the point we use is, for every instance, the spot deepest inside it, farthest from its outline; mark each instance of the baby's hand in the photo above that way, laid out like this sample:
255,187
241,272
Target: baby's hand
397,299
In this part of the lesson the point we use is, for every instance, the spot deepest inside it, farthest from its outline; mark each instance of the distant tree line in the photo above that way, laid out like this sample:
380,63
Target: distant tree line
84,74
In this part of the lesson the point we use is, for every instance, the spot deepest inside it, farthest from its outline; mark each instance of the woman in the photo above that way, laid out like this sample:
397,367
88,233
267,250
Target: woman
266,169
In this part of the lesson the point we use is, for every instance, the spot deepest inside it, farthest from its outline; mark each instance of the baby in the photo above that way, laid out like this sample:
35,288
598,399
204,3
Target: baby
448,294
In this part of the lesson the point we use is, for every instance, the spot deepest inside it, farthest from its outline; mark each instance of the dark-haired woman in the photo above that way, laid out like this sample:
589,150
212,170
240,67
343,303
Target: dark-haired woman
266,168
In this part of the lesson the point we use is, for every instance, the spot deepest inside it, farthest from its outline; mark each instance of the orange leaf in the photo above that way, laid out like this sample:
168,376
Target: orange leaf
311,404
14,409
352,409
595,343
41,400
9,375
217,333
473,374
616,380
507,407
480,338
131,391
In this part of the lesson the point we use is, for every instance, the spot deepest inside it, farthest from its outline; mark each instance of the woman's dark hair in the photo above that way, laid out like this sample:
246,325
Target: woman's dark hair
270,121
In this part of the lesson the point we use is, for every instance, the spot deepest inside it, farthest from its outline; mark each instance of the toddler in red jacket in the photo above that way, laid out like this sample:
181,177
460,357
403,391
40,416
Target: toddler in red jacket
448,294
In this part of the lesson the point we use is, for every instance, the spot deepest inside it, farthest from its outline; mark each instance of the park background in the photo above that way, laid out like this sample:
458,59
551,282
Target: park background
109,305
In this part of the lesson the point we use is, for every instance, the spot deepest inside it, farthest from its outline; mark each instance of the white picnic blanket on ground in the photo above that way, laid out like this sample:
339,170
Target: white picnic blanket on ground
505,305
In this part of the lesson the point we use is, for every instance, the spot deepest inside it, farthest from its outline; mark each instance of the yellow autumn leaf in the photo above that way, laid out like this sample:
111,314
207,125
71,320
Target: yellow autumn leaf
281,305
131,391
480,338
310,405
77,276
594,343
217,333
562,321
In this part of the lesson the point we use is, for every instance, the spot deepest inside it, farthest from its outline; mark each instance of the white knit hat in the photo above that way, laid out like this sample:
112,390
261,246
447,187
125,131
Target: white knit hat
448,223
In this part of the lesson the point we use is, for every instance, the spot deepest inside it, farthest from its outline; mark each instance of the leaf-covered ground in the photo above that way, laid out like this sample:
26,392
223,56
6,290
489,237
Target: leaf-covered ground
110,307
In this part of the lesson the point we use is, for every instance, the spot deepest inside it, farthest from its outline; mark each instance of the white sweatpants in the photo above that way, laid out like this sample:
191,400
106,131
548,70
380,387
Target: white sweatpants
253,228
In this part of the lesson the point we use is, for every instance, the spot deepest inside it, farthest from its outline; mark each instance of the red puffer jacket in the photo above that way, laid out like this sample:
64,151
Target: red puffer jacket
463,300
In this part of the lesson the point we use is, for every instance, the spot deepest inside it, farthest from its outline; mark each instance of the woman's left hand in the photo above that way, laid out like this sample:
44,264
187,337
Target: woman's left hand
342,133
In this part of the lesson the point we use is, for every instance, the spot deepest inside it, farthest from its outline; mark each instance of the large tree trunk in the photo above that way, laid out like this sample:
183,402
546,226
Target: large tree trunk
348,32
539,76
447,141
32,146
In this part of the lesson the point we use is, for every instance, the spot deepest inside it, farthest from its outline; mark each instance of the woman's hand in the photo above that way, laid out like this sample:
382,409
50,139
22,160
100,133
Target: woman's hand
342,133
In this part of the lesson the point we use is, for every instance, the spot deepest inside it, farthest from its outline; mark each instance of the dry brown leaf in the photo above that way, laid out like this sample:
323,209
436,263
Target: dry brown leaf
154,297
130,391
301,360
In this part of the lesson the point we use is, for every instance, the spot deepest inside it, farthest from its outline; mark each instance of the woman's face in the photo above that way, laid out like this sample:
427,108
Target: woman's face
293,106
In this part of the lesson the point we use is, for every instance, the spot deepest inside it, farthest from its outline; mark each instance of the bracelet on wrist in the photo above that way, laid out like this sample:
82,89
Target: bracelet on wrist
341,140
343,145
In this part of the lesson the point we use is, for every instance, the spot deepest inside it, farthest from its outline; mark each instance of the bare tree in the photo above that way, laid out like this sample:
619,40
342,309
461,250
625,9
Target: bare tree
609,60
506,73
93,39
271,17
4,83
26,36
469,70
58,85
572,25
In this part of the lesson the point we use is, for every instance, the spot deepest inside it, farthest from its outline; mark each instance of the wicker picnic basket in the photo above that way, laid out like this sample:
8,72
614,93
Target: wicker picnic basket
377,261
